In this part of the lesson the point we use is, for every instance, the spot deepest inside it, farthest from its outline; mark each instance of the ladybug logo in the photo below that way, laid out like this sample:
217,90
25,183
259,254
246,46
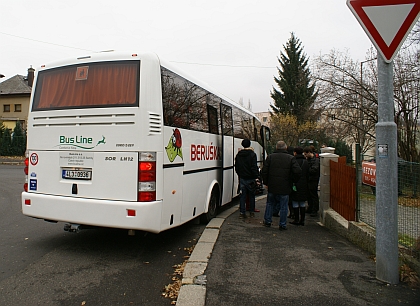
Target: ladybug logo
174,147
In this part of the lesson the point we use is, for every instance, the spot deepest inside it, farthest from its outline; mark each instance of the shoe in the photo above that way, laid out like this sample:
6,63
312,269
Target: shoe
266,224
282,228
276,215
291,216
251,215
295,222
302,216
242,216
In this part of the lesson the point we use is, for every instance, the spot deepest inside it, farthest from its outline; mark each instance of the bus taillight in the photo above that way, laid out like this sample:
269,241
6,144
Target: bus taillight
147,177
25,170
147,196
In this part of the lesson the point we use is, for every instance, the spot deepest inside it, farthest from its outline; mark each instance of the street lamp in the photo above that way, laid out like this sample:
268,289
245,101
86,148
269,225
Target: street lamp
359,146
361,99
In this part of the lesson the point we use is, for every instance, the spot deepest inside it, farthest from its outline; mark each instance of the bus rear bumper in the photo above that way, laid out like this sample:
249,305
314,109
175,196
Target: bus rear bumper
145,216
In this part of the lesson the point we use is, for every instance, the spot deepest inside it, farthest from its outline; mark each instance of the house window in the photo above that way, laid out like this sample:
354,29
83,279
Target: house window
18,108
264,119
6,108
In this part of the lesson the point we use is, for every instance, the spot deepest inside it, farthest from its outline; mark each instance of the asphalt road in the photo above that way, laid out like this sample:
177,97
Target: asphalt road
43,265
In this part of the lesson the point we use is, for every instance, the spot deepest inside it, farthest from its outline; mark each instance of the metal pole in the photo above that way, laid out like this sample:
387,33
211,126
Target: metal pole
386,179
358,180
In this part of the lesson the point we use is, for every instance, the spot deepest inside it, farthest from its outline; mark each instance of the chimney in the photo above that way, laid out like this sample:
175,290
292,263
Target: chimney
31,75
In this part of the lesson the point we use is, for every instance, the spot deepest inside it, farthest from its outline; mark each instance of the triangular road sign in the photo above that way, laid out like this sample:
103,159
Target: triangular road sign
386,22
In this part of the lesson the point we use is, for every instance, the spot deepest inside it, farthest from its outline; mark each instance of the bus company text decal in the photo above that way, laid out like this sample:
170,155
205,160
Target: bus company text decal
81,142
205,152
174,147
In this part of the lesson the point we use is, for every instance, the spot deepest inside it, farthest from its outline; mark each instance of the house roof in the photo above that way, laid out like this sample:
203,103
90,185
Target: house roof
17,84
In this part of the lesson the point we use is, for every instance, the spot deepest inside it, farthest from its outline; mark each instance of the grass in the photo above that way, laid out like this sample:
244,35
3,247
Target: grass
406,240
406,199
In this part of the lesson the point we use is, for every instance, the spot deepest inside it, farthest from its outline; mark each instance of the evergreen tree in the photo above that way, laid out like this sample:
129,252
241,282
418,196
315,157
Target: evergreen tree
2,128
6,143
296,94
18,140
342,149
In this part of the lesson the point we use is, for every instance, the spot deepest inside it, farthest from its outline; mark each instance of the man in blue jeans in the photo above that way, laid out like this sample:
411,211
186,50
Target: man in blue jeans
247,170
279,173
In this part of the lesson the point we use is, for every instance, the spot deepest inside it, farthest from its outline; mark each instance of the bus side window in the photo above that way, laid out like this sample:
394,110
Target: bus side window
257,128
237,123
213,119
227,128
174,108
183,102
249,127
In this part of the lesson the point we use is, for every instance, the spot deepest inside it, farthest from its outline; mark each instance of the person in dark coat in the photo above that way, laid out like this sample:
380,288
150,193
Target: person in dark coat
313,180
276,209
299,194
279,172
247,170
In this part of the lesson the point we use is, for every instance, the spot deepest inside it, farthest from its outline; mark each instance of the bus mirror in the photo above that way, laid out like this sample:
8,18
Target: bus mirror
267,134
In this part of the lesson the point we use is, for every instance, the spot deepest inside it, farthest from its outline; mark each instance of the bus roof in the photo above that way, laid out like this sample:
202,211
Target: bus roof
112,56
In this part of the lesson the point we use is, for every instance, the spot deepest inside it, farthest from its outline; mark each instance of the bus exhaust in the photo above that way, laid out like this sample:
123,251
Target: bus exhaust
72,228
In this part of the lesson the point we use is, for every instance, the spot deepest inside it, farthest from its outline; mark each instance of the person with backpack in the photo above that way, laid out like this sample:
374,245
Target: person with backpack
313,180
247,170
299,194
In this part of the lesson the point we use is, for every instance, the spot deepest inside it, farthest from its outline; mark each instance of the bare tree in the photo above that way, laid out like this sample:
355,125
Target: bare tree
287,128
347,97
406,99
414,37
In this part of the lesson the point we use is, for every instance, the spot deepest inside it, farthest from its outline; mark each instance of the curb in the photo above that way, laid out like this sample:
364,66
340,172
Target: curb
12,163
193,288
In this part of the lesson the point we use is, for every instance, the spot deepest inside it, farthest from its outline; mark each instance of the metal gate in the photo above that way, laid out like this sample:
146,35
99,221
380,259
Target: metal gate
343,189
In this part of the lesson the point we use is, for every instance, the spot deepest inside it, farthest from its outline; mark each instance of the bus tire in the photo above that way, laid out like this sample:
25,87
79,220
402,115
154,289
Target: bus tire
213,207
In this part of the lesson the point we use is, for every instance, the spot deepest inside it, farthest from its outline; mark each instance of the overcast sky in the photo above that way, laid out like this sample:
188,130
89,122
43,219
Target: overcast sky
232,45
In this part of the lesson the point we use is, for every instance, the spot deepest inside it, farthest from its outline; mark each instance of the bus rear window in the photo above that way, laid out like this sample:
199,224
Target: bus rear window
105,84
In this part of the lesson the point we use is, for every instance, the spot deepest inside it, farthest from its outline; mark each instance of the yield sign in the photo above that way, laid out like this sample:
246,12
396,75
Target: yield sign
386,22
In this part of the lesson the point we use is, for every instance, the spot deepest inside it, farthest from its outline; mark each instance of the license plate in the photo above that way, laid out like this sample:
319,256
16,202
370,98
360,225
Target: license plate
76,174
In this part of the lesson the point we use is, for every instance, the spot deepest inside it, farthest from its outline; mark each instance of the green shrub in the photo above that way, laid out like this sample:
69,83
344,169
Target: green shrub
6,143
18,145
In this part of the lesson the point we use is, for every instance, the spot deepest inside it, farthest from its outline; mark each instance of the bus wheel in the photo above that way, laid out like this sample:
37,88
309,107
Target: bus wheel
213,206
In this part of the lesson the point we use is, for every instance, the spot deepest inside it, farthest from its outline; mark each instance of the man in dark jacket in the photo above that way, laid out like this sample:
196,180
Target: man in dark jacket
313,180
279,172
247,170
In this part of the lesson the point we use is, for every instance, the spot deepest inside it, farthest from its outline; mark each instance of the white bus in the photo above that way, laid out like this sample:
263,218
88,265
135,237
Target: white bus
129,141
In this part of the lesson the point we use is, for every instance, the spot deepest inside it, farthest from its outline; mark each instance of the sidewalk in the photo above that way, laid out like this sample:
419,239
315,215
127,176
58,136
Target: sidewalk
12,160
240,262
